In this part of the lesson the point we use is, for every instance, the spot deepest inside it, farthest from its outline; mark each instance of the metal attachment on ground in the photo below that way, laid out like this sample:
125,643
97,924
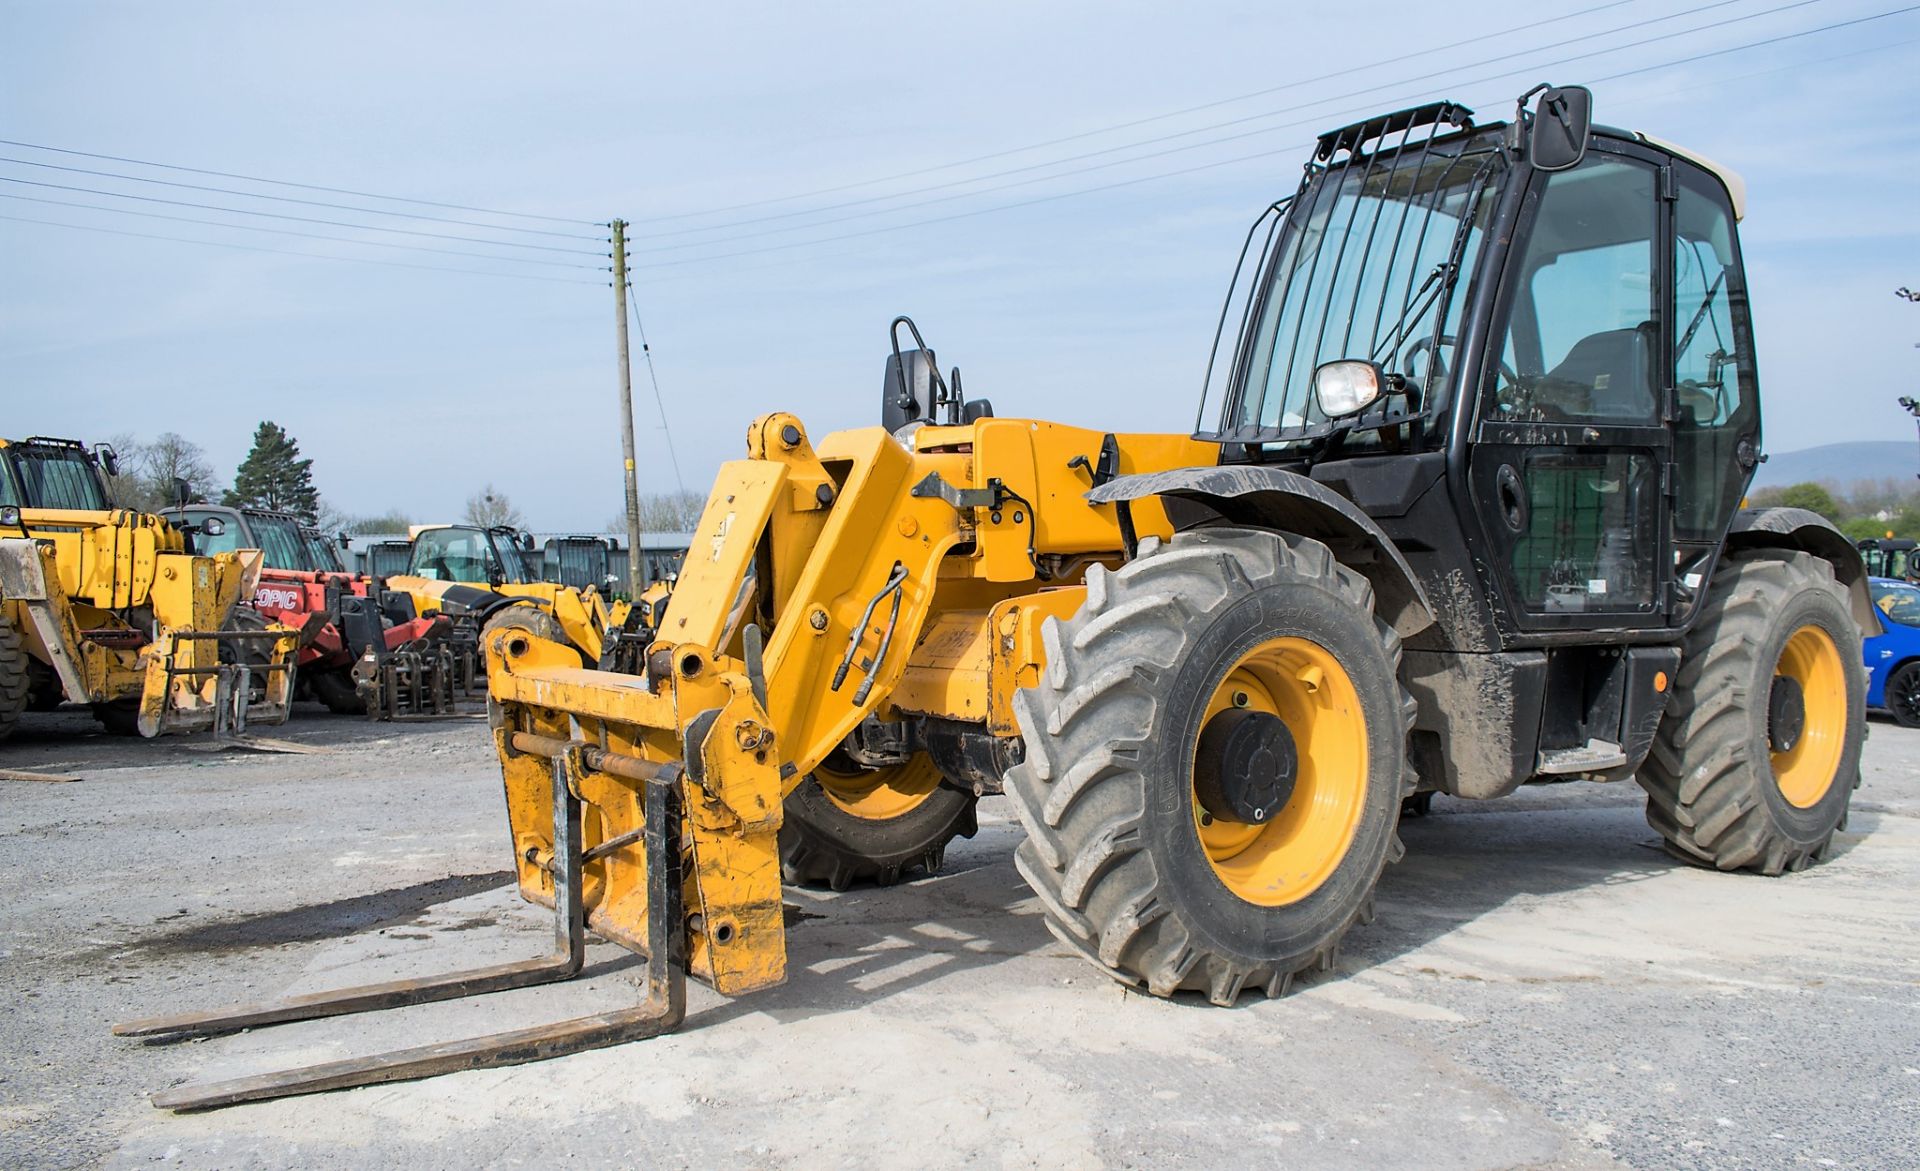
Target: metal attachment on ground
661,1011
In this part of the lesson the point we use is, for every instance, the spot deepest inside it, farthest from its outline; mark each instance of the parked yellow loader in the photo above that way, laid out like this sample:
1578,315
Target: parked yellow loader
473,570
1461,512
107,607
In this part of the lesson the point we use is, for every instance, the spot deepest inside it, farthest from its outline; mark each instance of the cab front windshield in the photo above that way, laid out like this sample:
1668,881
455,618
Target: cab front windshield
49,476
1900,603
323,554
1370,263
278,538
469,555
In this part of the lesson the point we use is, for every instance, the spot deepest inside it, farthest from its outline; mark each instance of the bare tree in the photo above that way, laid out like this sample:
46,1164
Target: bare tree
488,507
147,471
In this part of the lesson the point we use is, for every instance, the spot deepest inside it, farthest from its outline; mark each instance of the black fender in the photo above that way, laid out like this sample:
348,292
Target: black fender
499,602
1809,532
1258,497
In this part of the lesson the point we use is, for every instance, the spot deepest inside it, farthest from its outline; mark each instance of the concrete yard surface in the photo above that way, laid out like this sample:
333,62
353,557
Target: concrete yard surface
1543,987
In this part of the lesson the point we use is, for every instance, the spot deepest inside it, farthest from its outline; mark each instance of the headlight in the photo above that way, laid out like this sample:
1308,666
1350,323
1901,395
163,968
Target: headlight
1347,386
10,516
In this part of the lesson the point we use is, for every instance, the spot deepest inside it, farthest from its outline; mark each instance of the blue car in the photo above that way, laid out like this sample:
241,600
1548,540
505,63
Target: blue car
1893,658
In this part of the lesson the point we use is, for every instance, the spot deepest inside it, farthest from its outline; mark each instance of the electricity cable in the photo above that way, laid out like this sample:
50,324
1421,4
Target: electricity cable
518,276
1262,115
276,215
157,215
331,190
1290,149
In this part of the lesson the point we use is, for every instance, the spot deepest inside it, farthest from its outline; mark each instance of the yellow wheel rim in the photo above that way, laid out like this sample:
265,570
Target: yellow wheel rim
1806,771
1289,857
879,794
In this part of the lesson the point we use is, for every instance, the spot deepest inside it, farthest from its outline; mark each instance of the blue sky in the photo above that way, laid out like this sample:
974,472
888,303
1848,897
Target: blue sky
411,388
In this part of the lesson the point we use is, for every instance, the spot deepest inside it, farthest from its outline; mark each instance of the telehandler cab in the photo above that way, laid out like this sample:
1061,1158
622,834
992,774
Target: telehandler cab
1461,512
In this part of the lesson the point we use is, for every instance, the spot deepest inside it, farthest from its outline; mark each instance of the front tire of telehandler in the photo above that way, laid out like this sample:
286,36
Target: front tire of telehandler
1758,754
845,824
1216,759
16,679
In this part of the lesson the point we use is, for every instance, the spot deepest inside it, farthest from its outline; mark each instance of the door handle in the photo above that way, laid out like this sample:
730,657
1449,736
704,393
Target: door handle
1512,495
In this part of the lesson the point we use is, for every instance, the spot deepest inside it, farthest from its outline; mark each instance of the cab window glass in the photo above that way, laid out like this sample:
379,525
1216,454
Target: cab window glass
454,555
1581,335
230,538
1713,376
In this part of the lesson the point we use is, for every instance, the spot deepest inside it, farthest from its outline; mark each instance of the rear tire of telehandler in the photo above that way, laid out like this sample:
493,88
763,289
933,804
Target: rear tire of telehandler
1217,632
335,688
16,679
1742,776
537,620
257,655
871,825
119,717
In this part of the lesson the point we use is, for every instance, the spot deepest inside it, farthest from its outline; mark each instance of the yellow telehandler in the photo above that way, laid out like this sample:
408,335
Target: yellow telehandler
1461,512
480,573
107,607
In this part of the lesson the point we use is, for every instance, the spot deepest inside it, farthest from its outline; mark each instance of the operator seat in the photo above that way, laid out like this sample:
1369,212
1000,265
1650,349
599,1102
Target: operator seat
1615,369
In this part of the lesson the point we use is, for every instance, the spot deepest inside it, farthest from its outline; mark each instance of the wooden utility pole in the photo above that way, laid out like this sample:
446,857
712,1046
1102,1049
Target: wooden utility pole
635,579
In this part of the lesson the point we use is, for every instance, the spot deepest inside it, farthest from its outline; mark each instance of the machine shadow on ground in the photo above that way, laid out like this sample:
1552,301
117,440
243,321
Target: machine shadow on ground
865,945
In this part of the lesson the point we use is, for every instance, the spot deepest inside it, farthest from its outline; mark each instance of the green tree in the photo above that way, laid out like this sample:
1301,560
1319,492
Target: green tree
391,521
1813,498
273,475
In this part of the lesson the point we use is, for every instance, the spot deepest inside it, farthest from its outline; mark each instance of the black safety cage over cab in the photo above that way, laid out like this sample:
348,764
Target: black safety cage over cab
1570,410
54,473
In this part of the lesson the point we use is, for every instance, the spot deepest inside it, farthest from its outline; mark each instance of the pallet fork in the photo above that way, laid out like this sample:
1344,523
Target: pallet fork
660,1012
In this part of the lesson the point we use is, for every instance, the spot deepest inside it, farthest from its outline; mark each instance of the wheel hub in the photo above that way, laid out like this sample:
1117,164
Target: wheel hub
1786,713
1245,766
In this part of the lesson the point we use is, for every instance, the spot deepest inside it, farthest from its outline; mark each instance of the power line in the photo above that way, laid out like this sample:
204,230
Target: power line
157,215
1085,134
1372,105
517,276
275,215
316,187
303,202
1209,126
646,351
1270,153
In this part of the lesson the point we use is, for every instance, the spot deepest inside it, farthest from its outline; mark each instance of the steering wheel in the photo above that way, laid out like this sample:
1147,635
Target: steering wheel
1437,366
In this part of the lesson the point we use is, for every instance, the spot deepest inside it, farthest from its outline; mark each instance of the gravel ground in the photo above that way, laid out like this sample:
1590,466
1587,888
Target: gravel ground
1543,988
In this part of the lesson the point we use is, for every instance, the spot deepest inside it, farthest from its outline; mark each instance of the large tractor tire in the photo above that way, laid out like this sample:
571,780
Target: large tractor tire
1758,753
16,680
846,824
335,688
537,620
1216,760
258,656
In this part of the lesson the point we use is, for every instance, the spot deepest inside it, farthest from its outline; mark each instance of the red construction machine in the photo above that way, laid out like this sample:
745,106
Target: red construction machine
362,649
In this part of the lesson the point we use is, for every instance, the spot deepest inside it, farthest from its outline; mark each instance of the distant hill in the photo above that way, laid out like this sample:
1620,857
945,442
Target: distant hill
1841,464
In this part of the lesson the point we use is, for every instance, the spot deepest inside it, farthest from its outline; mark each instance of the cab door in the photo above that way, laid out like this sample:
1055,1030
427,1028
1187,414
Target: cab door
1571,470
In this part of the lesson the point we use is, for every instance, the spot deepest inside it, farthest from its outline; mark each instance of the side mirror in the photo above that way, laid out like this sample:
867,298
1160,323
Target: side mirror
1557,136
213,526
182,493
346,542
1347,386
108,457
